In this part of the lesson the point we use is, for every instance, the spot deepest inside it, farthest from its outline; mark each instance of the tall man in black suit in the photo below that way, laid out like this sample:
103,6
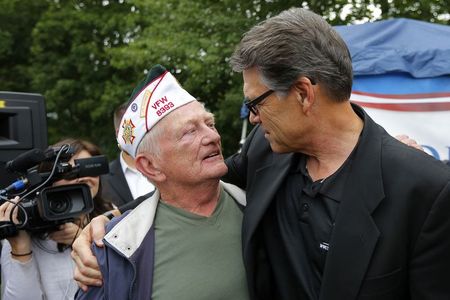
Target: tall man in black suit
336,207
124,182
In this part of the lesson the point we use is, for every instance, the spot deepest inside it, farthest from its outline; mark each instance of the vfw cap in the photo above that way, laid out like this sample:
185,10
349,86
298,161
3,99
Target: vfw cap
153,99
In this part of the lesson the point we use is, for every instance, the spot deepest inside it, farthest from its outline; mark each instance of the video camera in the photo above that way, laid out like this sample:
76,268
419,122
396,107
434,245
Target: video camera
43,207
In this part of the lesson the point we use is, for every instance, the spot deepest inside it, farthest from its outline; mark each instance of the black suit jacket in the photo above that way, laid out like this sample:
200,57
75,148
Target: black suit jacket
392,233
114,185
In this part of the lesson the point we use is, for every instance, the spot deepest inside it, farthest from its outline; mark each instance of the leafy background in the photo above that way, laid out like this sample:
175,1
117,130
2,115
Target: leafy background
85,57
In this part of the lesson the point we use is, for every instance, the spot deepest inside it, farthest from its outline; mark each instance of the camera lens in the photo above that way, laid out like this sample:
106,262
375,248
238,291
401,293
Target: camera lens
59,203
65,202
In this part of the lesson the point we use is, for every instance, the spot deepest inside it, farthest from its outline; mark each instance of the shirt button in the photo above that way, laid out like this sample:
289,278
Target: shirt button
305,206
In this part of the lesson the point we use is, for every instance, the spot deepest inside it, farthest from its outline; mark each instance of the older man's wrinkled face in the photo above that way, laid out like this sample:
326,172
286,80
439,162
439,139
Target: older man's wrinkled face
190,147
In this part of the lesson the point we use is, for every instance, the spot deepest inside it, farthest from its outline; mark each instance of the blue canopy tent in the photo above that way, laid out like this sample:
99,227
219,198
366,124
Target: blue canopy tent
402,78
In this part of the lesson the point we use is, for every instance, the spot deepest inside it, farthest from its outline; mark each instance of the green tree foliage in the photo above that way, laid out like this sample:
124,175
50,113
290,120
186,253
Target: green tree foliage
71,67
85,56
17,20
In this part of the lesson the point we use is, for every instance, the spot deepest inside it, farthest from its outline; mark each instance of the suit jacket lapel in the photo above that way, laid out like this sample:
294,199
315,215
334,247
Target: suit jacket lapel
269,178
352,244
355,234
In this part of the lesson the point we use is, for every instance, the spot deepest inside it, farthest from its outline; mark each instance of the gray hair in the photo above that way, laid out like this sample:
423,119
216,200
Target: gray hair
150,142
296,43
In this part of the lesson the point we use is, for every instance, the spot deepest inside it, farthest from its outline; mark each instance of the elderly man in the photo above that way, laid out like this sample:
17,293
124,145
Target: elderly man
336,207
184,242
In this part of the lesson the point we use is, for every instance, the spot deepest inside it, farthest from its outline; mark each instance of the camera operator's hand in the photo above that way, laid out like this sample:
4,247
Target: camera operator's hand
87,271
66,234
21,243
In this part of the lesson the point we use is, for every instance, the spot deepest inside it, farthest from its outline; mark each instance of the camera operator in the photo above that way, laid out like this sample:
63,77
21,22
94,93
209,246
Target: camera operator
38,265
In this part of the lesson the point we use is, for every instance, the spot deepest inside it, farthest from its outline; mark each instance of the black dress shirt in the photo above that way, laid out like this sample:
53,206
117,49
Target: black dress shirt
303,214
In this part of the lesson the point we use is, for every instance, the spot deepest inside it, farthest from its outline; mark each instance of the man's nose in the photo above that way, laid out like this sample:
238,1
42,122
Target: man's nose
211,136
254,118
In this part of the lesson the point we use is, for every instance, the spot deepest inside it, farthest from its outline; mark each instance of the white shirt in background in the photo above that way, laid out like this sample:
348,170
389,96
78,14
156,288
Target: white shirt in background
138,183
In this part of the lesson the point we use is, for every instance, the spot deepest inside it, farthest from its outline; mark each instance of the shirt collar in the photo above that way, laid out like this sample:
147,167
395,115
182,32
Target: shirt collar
332,186
124,165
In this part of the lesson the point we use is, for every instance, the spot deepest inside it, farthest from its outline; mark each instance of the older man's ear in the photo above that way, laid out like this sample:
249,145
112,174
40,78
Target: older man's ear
149,166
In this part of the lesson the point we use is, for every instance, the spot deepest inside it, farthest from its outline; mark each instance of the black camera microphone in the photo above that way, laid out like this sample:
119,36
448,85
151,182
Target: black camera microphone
25,161
92,166
89,167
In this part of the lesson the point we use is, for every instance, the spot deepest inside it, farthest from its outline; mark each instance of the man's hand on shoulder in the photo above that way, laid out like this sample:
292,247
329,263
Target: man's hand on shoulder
408,141
87,271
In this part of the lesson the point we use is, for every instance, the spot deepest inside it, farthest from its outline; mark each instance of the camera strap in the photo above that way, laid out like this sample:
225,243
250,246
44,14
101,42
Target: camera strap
7,229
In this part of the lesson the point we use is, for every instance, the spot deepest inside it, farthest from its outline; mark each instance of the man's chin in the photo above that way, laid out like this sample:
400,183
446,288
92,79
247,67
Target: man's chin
217,170
277,148
222,171
273,145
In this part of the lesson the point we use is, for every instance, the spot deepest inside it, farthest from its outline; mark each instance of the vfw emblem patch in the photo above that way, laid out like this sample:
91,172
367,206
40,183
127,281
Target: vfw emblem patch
128,131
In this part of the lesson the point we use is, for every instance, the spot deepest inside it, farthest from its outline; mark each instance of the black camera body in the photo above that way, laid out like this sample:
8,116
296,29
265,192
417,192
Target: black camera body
42,207
54,206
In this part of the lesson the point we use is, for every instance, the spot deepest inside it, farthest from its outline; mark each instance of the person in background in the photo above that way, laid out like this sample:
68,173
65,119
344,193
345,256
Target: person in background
39,266
186,238
123,183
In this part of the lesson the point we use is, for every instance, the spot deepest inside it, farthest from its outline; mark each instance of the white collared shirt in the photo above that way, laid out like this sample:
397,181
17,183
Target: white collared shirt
138,183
